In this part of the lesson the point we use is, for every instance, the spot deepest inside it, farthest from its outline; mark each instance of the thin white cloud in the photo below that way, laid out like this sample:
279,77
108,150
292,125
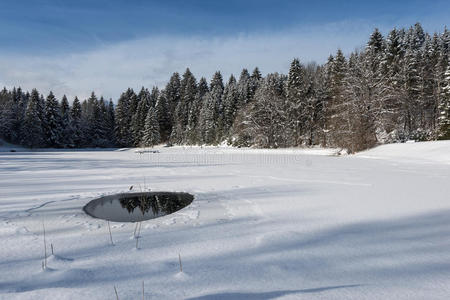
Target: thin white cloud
150,61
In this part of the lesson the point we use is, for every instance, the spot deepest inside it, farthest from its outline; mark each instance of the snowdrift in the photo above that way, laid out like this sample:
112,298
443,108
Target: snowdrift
429,152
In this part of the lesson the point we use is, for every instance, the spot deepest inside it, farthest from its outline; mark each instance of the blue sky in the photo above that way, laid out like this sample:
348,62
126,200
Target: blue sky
74,47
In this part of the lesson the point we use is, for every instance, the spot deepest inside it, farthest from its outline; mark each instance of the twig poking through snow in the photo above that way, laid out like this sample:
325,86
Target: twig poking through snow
110,234
117,295
135,229
143,297
138,234
181,266
45,247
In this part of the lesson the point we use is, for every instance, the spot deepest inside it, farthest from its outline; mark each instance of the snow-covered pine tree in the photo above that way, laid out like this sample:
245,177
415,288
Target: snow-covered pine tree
41,111
123,119
216,92
172,95
53,128
393,55
265,121
4,96
17,111
313,109
110,123
7,115
164,120
255,80
138,119
92,115
151,135
134,101
75,117
244,89
67,131
392,87
102,124
208,120
444,108
230,101
296,103
188,89
193,129
339,122
368,92
427,84
322,94
32,132
362,101
410,101
416,37
154,96
188,92
440,70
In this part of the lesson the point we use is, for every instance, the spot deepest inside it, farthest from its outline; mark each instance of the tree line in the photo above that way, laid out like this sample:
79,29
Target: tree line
394,89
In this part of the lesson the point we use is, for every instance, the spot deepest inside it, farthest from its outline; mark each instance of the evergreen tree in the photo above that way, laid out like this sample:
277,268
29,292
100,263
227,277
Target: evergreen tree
427,85
296,102
52,129
323,98
230,104
255,80
244,89
208,119
17,113
266,119
95,130
75,117
101,124
7,116
188,90
216,92
32,133
410,101
154,96
362,102
123,119
173,95
138,119
151,135
110,123
194,136
164,120
339,123
393,56
67,131
444,108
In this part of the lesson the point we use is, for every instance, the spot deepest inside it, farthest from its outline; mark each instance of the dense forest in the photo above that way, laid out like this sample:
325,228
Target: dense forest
394,89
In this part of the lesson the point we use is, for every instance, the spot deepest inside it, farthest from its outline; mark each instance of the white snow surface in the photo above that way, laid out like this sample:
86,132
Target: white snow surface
437,152
281,224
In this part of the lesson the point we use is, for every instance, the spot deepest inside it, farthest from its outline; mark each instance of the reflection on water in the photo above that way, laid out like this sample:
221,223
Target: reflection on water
136,207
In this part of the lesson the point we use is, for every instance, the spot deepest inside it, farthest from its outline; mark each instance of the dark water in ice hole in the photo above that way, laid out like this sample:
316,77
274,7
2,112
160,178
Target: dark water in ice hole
136,207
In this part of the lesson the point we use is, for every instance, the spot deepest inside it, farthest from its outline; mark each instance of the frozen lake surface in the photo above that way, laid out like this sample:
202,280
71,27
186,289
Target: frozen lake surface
265,224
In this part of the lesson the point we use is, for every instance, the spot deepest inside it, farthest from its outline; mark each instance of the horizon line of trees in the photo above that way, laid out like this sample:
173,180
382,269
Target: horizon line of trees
394,89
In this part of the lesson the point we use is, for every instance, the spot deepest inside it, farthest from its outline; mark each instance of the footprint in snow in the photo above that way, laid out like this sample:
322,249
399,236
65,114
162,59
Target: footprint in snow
170,221
151,226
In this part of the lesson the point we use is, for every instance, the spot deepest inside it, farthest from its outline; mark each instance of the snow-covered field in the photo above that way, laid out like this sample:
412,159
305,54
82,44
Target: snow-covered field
285,224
